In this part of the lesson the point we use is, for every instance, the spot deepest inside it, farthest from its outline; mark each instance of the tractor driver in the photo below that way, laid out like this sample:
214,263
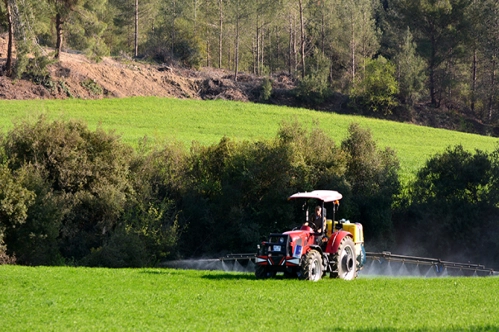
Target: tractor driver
316,223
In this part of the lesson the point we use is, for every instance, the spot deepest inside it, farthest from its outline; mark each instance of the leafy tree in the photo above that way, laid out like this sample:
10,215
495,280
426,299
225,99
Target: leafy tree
437,27
372,174
87,171
487,32
378,87
410,71
84,27
314,87
451,206
360,34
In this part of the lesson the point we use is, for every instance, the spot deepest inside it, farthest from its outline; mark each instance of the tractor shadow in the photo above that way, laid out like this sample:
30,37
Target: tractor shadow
229,276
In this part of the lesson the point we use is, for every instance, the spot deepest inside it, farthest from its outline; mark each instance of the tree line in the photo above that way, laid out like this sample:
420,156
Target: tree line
73,196
382,53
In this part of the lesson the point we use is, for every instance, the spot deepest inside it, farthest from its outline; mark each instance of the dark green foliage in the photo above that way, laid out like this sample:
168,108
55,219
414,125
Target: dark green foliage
82,197
410,70
182,47
34,242
372,175
153,213
451,208
120,250
314,87
15,201
86,171
266,89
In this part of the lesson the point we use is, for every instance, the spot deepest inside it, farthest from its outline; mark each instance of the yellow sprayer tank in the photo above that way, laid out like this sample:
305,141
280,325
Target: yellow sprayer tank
329,227
354,228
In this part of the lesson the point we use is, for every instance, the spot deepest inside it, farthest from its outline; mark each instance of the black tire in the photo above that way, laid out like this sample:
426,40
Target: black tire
262,272
311,266
346,261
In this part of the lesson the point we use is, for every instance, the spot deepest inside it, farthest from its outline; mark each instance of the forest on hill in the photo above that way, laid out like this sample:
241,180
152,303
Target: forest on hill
384,57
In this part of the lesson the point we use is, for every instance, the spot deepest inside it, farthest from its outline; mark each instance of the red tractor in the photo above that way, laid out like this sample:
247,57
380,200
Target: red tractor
334,247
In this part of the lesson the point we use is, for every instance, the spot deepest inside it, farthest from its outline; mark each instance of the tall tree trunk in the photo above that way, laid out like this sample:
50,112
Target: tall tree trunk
8,64
256,59
236,51
433,92
256,65
253,51
290,50
302,41
220,33
323,32
473,81
262,53
58,27
136,35
207,52
492,87
173,25
276,65
353,50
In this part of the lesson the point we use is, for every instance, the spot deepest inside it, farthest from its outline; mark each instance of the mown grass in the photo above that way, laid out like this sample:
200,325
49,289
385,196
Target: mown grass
84,299
163,120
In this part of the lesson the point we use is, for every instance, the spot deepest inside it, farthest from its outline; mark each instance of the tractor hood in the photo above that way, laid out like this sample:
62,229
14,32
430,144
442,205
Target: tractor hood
323,195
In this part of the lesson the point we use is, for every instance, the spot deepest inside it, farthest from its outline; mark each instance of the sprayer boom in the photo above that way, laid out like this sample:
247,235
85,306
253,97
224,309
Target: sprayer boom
380,261
438,265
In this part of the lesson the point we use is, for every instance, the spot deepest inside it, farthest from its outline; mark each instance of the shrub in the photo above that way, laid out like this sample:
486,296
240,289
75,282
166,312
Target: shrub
87,172
91,86
266,89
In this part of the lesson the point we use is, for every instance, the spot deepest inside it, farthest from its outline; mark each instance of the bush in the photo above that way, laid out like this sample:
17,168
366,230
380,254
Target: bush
120,250
83,173
266,89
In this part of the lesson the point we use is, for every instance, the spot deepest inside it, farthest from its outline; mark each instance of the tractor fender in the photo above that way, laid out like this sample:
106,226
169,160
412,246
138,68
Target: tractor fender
314,247
335,240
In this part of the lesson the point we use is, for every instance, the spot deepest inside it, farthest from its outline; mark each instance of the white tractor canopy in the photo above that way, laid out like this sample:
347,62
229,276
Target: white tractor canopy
323,195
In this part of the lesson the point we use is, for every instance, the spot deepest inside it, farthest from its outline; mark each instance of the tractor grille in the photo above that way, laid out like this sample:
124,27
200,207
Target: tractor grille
278,244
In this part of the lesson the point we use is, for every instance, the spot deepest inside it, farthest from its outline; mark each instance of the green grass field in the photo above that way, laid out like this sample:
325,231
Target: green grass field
84,299
163,120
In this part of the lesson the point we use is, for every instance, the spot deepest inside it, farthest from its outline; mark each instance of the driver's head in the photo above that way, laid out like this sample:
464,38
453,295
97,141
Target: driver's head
318,210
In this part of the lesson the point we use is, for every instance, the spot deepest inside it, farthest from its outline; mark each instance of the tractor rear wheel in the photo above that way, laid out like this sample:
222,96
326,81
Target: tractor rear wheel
346,261
262,272
311,266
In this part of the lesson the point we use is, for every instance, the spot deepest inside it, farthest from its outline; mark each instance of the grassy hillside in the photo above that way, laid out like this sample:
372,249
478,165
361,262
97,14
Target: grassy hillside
83,299
163,119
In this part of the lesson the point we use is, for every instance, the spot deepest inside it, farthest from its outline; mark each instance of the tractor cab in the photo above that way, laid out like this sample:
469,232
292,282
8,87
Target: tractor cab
319,246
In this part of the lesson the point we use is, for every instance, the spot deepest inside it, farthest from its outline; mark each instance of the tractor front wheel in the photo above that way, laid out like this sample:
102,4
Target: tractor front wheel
311,266
346,260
